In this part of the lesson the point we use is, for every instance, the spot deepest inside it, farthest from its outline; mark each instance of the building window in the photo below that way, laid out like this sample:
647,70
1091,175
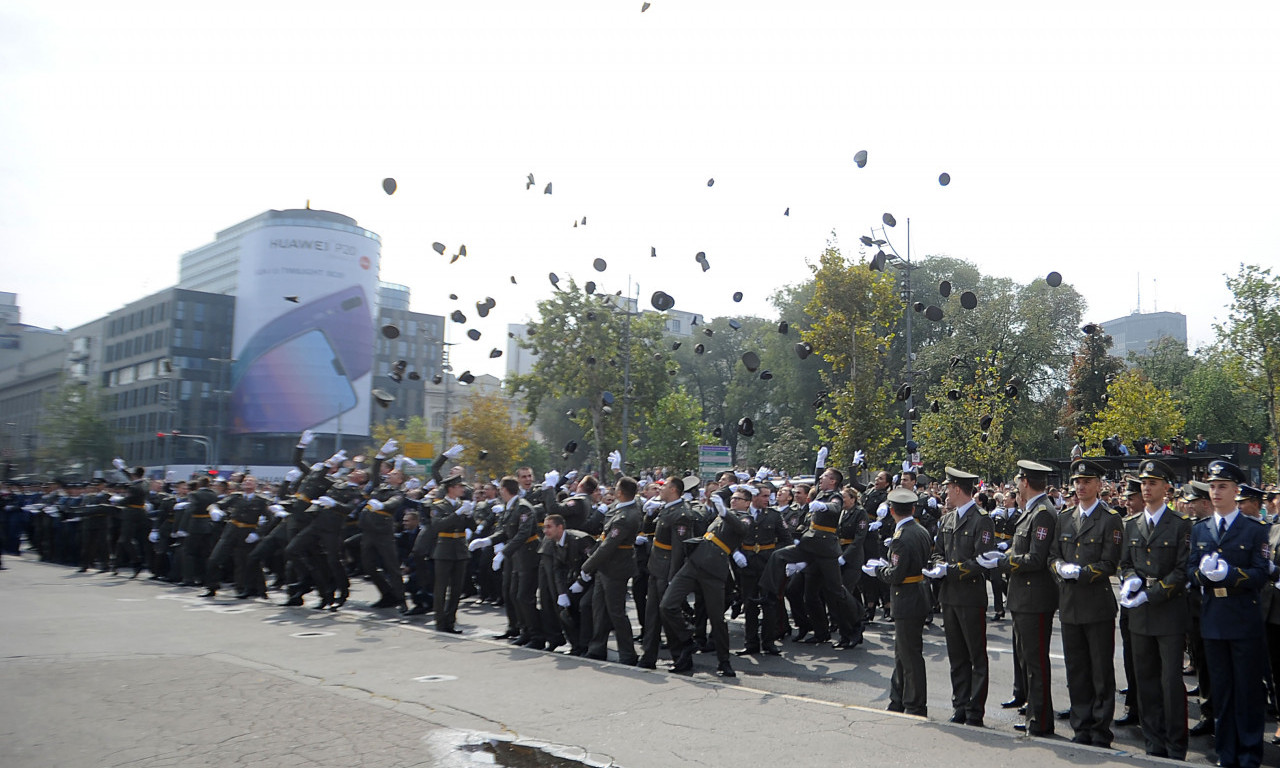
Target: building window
163,309
184,391
180,310
197,336
177,336
199,311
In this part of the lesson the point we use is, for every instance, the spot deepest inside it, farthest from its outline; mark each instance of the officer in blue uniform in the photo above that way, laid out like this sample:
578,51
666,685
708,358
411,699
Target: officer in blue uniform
1228,565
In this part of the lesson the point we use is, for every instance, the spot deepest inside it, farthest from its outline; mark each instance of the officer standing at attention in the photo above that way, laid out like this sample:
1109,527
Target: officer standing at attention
1085,555
1228,564
1153,574
1033,597
963,534
912,600
446,540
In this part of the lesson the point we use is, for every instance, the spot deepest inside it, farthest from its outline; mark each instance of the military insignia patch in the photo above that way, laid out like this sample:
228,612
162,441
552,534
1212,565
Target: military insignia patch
1266,551
682,531
613,533
1042,533
524,517
862,524
986,537
1116,535
894,558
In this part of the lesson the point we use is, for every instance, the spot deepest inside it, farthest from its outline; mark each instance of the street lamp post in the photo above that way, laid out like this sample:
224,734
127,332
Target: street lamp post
626,371
223,391
904,265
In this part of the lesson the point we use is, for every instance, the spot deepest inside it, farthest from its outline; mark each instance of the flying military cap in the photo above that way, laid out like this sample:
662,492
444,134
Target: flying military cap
383,397
1132,486
746,427
690,482
1086,468
1028,468
1195,491
390,331
902,496
1247,492
1225,470
1155,470
467,377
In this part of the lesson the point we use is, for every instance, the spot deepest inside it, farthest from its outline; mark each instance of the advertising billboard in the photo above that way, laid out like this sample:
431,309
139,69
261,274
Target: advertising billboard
304,331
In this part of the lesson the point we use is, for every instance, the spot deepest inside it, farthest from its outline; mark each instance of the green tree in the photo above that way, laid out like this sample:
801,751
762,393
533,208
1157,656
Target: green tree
581,340
75,437
1252,336
672,433
1218,405
1092,371
485,425
968,429
852,312
1166,364
414,430
789,450
1136,408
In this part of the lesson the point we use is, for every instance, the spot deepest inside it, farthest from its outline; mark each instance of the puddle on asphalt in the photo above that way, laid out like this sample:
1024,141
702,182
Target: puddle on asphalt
459,748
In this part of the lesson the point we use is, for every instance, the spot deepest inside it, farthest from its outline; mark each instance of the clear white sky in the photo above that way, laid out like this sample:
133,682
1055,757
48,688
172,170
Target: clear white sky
1103,140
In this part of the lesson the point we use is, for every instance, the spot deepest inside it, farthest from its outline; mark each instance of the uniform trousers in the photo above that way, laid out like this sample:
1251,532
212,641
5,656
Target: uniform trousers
1033,631
451,576
965,627
908,688
692,579
1089,651
1162,697
1239,700
609,608
381,562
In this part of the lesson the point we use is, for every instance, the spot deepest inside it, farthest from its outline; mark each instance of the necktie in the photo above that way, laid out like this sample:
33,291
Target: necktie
1222,527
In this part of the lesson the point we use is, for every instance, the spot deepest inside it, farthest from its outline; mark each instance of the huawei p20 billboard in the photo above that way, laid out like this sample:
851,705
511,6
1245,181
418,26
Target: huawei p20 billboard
304,334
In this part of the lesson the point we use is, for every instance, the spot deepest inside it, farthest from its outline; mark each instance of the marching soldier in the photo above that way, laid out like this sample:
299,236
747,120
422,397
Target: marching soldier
197,531
242,511
93,527
569,551
378,553
1085,554
133,521
1033,597
964,533
1153,573
1228,564
766,531
909,551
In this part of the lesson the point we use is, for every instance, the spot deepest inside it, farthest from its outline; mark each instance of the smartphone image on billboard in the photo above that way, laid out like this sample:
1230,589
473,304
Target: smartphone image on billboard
296,385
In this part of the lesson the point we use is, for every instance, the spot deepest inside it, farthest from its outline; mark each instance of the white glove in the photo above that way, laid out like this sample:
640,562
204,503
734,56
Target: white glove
870,567
602,508
307,437
1219,572
1130,586
279,511
430,484
882,511
1135,600
742,476
576,588
859,458
875,526
989,560
153,537
215,513
337,458
374,504
388,448
763,473
413,484
262,520
937,572
823,452
118,463
117,499
293,475
465,507
480,529
179,534
652,506
499,547
455,451
718,503
840,561
319,465
1002,546
550,479
793,568
1272,567
615,461
182,505
817,506
468,533
563,600
328,502
568,476
479,543
252,538
739,559
888,541
146,507
497,561
1068,571
641,540
584,577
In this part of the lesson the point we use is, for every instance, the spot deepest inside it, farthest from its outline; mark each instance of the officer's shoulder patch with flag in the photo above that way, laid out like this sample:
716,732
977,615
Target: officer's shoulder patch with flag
1266,550
894,558
1116,535
986,537
862,524
613,533
1042,533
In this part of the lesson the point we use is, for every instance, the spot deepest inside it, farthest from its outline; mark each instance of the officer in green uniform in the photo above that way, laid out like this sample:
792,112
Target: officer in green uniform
1033,596
242,511
1085,554
1153,574
909,550
378,553
133,521
964,533
93,527
767,532
447,542
671,525
612,565
1195,495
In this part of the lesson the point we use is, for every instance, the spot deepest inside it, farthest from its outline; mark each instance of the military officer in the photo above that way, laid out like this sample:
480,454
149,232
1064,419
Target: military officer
446,539
1033,597
1271,611
765,534
1133,505
1153,572
852,532
242,511
672,523
612,565
964,533
1195,496
93,527
908,556
1228,564
133,521
378,553
1086,551
568,550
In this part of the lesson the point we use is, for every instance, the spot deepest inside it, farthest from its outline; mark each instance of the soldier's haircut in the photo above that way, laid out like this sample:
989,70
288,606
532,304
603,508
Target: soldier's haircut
839,475
627,488
511,485
554,519
588,484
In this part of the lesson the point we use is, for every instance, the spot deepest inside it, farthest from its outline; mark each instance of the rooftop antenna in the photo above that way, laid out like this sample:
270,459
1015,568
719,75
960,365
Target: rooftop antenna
1138,311
1155,301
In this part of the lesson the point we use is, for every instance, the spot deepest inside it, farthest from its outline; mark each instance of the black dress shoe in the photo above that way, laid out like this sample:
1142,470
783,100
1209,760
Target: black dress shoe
817,640
800,635
324,603
848,643
520,640
1128,719
595,656
1022,710
510,633
684,660
1202,728
647,664
1193,691
1012,703
1064,714
957,718
294,602
724,670
1022,727
1275,740
536,645
386,602
1122,691
209,593
748,651
771,649
416,610
1082,738
976,722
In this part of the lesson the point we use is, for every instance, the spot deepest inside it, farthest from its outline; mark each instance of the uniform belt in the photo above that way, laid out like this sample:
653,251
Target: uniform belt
660,545
758,548
300,496
626,546
239,524
1003,536
200,517
452,534
711,537
1225,591
531,539
822,528
382,512
135,506
913,580
846,542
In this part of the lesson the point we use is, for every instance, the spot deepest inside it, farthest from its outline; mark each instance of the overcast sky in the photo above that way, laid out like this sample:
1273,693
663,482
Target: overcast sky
1126,145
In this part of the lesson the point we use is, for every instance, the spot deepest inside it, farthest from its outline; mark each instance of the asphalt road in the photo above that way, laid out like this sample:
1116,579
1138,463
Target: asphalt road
101,671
